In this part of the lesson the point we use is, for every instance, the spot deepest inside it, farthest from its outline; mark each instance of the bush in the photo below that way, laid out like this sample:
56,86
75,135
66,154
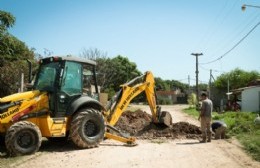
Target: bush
192,100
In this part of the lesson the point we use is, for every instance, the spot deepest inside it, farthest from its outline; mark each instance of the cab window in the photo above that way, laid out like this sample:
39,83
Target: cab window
72,77
46,77
88,80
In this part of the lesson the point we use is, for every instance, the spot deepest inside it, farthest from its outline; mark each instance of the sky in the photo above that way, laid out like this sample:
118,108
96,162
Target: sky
158,35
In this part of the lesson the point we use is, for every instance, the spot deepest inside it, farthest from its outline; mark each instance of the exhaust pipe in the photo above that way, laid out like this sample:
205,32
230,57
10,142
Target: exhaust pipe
30,70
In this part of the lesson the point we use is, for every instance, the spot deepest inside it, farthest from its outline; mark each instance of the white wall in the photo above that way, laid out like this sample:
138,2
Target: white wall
250,99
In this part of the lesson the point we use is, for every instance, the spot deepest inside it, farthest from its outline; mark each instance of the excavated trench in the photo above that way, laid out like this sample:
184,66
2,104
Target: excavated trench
139,124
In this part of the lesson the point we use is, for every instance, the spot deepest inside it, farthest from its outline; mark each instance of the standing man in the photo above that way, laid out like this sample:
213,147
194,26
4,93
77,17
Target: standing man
205,118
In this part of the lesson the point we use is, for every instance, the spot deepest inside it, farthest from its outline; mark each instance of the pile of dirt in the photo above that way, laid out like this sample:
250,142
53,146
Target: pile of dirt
140,125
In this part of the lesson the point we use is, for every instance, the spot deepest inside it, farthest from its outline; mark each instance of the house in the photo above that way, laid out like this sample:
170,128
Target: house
250,98
174,96
171,95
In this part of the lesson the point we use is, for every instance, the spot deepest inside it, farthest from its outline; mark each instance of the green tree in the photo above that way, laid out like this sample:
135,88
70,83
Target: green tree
103,68
13,56
203,87
237,78
122,70
178,85
111,73
162,84
168,85
7,20
12,49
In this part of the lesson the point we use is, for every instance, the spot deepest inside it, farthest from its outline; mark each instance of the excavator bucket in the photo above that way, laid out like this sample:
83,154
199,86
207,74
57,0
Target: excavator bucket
165,118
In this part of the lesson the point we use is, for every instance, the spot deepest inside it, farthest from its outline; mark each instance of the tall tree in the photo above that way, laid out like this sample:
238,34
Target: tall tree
7,20
93,54
236,78
103,67
178,85
123,71
13,56
111,73
170,84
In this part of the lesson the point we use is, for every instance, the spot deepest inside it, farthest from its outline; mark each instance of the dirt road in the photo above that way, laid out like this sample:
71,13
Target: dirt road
148,153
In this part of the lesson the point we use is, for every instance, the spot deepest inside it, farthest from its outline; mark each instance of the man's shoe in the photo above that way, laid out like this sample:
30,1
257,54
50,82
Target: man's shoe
209,140
203,141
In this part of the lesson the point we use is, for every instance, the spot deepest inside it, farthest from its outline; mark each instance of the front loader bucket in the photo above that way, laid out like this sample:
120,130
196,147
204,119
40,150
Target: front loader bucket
165,118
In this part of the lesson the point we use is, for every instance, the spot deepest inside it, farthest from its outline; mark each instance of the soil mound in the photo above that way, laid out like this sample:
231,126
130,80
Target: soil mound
139,124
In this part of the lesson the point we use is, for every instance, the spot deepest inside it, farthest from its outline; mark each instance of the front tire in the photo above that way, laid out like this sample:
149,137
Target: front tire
23,138
87,128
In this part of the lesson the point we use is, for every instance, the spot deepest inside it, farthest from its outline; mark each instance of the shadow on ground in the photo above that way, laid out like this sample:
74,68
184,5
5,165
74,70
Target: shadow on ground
188,143
46,146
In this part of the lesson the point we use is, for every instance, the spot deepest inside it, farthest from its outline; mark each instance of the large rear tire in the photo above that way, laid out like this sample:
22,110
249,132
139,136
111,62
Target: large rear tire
23,138
87,128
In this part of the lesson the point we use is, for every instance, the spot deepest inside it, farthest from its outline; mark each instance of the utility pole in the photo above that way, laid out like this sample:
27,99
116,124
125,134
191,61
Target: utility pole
189,82
210,83
228,89
197,74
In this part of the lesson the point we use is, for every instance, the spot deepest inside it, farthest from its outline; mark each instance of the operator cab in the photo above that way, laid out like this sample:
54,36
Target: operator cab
66,79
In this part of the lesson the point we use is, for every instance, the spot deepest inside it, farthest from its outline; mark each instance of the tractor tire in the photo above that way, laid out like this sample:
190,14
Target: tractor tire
23,138
87,128
2,140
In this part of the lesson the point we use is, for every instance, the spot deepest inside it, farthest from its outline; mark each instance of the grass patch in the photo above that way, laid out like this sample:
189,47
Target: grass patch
192,112
240,125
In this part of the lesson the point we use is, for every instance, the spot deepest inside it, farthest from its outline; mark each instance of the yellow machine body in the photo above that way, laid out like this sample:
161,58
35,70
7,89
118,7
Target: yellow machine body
32,103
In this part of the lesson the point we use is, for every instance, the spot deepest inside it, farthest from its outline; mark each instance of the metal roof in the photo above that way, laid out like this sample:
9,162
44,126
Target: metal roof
243,88
78,59
72,58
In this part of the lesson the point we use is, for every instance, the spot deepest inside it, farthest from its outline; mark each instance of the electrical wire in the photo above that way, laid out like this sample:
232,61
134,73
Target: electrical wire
225,16
182,79
210,29
223,55
199,81
225,45
213,70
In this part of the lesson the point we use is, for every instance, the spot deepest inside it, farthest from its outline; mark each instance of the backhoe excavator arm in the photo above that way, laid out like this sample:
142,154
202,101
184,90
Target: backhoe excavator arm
129,91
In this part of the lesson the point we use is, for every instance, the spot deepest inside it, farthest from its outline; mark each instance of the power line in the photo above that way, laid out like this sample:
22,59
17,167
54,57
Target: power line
222,18
182,79
205,82
211,28
231,38
224,44
222,56
214,70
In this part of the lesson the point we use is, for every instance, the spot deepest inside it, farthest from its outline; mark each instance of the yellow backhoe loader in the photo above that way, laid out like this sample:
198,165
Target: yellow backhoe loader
62,103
